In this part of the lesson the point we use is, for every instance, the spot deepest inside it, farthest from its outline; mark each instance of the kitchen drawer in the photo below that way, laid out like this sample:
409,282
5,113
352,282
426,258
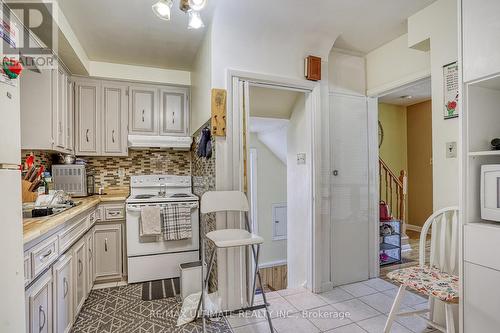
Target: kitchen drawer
115,212
481,243
44,254
73,232
27,269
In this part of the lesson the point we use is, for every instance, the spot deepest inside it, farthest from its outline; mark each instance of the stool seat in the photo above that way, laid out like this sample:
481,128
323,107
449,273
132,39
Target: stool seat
233,238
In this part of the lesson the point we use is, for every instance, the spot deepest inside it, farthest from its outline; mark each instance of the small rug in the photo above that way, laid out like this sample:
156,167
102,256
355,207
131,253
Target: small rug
160,289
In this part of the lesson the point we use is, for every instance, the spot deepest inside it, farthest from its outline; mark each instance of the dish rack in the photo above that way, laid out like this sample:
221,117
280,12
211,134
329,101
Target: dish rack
390,243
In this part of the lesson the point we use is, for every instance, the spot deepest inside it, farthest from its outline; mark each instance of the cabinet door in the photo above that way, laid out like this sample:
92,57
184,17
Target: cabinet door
88,117
143,110
114,108
59,106
63,295
108,251
481,54
173,111
39,302
79,280
90,260
70,115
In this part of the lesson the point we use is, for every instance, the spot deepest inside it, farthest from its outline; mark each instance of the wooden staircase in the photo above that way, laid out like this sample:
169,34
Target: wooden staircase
393,190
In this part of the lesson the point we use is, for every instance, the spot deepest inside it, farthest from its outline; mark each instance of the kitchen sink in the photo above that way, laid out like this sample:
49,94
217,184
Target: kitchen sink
30,210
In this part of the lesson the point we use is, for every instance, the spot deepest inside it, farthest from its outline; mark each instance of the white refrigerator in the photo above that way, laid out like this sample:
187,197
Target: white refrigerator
12,308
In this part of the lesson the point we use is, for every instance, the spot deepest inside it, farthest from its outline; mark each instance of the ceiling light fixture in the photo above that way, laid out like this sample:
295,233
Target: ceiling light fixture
195,21
197,4
162,9
406,97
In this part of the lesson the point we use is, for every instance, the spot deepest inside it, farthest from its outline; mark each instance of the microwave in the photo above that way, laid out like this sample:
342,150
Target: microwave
73,179
490,192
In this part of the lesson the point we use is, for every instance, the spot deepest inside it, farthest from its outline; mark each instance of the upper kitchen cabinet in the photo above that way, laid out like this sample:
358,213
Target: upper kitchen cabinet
173,111
481,54
46,112
143,110
115,117
88,117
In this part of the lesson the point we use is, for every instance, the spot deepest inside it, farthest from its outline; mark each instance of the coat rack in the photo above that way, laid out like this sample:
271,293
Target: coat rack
219,97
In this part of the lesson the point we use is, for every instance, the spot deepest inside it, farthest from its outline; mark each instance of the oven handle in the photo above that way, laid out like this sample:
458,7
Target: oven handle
138,210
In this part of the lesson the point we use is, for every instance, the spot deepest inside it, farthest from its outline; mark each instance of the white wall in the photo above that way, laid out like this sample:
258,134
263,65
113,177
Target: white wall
346,73
428,24
271,189
201,77
298,189
395,64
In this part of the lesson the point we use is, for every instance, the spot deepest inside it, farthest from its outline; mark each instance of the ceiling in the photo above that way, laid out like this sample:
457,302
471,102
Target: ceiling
420,91
128,32
271,102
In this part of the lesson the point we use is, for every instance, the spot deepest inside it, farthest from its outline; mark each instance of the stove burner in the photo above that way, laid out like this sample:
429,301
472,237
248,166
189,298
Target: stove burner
144,196
180,195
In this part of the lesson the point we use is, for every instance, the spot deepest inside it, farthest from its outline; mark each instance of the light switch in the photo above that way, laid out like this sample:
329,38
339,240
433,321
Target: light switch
451,149
301,158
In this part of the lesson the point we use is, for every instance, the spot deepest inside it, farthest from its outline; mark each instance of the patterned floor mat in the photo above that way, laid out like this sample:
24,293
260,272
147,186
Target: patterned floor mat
122,310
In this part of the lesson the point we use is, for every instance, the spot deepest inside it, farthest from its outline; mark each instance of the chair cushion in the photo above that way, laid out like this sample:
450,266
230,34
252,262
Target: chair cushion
429,281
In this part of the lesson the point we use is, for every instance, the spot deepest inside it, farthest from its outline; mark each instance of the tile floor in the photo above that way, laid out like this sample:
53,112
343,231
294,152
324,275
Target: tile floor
356,308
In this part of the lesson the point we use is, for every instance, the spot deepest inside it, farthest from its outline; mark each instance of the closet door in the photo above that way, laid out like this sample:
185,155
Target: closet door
143,109
350,190
114,109
173,112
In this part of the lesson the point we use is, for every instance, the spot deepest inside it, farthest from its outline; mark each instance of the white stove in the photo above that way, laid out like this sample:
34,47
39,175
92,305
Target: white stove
153,258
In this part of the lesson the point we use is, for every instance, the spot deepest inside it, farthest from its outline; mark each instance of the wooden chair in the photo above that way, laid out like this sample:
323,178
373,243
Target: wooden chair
430,280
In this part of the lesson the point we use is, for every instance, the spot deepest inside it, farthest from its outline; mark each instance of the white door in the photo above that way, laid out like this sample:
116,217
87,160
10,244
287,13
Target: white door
88,117
108,254
173,104
59,107
143,109
39,299
114,108
90,260
350,190
80,270
10,125
63,300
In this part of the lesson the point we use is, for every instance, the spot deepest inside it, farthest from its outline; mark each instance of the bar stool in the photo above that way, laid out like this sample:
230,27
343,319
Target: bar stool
229,201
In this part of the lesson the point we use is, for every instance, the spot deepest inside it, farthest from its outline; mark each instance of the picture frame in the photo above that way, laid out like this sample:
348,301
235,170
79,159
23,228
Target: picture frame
451,91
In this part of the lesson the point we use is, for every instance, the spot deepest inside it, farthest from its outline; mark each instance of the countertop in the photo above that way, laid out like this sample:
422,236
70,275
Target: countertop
38,226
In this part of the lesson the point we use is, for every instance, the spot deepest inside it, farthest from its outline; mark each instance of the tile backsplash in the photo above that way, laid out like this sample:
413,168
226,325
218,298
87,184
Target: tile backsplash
116,171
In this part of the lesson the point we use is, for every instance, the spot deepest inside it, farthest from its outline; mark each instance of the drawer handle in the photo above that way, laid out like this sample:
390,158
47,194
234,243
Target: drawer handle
173,117
87,135
44,256
105,245
41,311
115,213
91,254
142,115
80,267
113,136
65,287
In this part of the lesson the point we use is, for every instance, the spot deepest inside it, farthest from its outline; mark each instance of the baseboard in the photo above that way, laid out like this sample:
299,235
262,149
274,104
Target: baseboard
272,264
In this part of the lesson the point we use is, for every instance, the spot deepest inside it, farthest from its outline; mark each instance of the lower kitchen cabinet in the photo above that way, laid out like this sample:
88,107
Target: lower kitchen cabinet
63,294
90,260
108,251
39,305
79,279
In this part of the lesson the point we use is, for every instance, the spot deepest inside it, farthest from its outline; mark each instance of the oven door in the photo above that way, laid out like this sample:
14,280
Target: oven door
141,246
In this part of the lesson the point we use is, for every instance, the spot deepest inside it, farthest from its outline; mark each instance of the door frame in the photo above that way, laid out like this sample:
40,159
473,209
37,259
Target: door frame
233,286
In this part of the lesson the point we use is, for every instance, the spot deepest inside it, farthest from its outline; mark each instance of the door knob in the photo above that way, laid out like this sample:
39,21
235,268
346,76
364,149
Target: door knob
335,172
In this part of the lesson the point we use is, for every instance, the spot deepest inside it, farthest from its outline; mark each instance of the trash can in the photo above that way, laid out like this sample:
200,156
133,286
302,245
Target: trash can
190,278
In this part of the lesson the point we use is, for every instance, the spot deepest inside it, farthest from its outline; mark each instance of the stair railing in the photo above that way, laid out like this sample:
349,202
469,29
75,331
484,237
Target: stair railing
393,190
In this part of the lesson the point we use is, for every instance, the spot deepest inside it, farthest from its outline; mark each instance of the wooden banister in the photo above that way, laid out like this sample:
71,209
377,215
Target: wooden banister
393,190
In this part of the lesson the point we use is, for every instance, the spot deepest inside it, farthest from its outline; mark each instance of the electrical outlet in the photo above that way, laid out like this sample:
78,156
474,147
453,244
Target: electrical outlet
451,149
121,172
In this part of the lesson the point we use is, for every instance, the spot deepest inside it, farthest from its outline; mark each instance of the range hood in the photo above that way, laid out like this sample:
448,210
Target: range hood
159,141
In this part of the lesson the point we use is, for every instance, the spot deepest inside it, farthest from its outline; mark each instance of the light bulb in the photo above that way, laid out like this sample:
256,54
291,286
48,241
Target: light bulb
195,21
162,9
197,4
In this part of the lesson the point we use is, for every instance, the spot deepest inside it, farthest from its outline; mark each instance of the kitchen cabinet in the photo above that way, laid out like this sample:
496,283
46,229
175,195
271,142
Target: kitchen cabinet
46,114
80,271
90,260
63,294
481,56
115,113
143,106
108,251
39,305
173,111
88,117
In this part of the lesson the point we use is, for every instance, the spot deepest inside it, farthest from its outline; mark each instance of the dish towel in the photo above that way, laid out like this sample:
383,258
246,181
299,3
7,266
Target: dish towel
177,221
150,221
